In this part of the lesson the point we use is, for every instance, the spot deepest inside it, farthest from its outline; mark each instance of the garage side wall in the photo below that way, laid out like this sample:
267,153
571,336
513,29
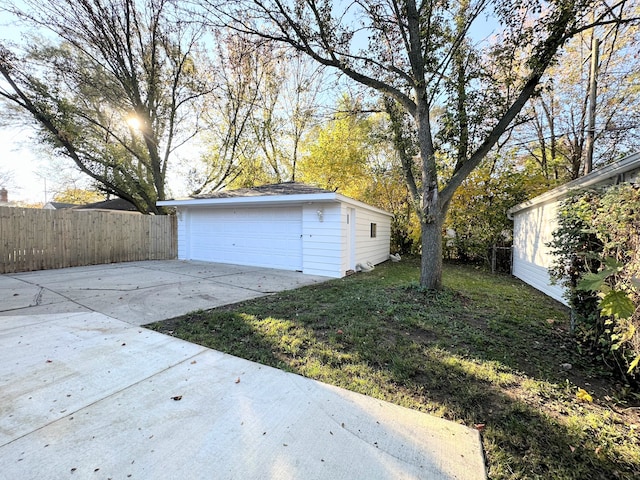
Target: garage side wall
532,230
321,233
372,237
183,229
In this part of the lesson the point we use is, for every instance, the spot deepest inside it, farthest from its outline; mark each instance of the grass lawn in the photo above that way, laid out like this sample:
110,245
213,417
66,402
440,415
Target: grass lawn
487,351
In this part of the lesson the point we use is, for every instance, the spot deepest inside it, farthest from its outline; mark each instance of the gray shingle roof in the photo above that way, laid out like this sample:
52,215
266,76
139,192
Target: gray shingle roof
113,204
285,188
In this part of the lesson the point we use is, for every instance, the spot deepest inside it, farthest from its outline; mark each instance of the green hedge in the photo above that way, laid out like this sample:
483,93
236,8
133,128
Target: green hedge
597,248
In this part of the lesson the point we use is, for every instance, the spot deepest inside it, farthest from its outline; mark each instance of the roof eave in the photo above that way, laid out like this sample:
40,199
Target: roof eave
360,204
296,199
251,200
624,165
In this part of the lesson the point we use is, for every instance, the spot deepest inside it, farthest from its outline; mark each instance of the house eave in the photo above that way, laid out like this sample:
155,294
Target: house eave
612,170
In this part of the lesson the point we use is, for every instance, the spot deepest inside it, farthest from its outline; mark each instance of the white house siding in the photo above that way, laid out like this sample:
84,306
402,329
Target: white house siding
322,254
265,237
532,231
368,249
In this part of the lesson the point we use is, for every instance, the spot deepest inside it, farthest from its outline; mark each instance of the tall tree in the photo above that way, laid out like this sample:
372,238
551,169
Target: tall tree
265,102
421,55
287,111
227,140
116,87
555,133
338,153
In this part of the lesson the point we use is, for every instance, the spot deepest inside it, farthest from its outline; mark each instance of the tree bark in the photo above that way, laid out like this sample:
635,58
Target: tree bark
431,264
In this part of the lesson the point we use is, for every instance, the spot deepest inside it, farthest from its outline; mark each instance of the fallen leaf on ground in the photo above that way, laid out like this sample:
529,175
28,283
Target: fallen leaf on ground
583,395
479,426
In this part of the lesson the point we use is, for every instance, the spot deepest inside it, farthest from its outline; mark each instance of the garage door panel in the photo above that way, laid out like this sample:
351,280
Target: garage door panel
268,237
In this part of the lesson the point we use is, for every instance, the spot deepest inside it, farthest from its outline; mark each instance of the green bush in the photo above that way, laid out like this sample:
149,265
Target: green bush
598,262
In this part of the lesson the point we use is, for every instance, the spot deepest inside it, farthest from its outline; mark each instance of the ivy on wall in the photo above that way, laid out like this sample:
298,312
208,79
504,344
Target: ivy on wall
597,260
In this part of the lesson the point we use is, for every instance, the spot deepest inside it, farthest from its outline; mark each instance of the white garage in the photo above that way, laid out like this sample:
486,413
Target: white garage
535,220
290,226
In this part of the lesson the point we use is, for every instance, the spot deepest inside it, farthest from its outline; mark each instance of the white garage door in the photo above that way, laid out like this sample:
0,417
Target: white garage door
265,237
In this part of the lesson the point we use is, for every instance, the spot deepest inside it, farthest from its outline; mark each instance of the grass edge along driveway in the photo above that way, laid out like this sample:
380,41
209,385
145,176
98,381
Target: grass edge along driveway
487,351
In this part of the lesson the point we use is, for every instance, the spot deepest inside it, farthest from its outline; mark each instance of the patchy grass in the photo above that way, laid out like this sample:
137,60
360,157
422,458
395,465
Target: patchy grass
487,351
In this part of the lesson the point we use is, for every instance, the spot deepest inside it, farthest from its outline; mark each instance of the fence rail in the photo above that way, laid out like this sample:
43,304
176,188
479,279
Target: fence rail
34,239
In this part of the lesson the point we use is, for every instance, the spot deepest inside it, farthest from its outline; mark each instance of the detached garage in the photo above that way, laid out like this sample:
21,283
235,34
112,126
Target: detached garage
535,221
290,226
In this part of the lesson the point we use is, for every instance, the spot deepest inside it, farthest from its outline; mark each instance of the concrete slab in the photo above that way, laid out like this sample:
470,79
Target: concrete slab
88,396
142,292
71,360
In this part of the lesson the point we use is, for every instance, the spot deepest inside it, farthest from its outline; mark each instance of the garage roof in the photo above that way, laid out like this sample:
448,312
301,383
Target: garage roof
275,194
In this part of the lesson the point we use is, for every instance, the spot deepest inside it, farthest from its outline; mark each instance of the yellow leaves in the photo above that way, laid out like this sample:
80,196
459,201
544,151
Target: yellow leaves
583,395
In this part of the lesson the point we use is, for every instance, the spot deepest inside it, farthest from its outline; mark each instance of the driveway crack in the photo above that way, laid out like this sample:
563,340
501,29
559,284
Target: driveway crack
38,298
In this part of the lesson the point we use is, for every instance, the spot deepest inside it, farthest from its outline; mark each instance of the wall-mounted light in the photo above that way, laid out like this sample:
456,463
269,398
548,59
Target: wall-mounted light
320,213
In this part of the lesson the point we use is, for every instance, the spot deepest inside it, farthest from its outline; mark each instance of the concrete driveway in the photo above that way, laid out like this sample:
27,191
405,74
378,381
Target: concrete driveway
142,292
86,393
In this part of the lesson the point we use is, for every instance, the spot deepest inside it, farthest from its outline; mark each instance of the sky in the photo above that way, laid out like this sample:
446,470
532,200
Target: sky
17,157
17,154
31,169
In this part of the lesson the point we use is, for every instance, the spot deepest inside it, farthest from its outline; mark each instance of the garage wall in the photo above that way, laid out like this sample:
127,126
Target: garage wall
532,230
368,248
322,242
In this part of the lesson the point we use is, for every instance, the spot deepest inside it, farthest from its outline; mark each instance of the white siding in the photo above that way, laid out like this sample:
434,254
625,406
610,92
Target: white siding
532,231
322,253
319,238
368,249
183,251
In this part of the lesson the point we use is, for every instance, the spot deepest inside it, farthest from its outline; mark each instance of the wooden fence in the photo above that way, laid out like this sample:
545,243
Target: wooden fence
34,239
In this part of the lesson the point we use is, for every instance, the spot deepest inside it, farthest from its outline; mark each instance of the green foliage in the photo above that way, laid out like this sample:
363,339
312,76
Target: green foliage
478,211
339,153
597,260
78,196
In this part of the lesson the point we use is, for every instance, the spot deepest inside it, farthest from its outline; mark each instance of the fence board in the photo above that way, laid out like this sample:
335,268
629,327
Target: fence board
33,239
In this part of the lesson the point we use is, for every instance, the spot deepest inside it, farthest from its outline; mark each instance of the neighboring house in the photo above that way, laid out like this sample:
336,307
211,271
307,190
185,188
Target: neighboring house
114,204
59,205
290,226
535,220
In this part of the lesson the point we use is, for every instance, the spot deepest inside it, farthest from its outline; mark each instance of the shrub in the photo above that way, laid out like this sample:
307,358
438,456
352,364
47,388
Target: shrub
598,262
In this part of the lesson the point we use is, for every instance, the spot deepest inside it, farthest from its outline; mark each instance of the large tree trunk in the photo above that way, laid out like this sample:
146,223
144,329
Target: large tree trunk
431,265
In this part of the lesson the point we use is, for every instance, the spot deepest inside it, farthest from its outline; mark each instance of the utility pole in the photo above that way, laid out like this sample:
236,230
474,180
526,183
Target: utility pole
593,91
